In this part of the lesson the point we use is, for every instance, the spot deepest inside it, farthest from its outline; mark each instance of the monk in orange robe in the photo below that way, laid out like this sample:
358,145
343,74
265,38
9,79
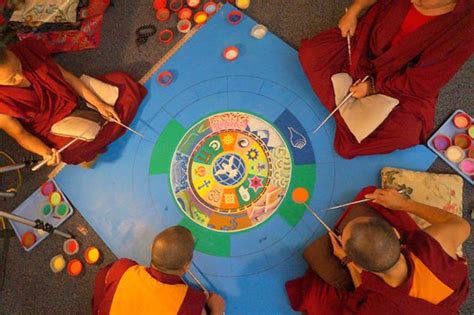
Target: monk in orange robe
124,287
409,48
384,264
36,93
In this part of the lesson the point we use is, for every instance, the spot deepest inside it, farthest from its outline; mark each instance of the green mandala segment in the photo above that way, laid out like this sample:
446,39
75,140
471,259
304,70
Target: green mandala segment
302,176
165,146
230,172
207,241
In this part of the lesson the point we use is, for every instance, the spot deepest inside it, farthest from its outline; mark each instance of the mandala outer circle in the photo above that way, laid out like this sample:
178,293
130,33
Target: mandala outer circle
231,171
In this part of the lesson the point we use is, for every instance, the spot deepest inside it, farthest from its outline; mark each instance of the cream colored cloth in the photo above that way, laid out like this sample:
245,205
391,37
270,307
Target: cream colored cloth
46,11
108,93
362,116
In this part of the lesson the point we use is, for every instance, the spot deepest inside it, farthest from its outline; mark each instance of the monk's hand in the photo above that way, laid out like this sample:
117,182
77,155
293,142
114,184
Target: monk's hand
348,24
53,157
389,198
216,303
337,249
360,90
108,112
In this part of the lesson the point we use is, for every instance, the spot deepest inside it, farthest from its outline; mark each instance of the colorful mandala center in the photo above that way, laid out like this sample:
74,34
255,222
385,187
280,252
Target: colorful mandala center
231,171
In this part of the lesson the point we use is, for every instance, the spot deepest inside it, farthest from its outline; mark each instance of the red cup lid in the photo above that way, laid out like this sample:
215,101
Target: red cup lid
164,78
166,36
163,14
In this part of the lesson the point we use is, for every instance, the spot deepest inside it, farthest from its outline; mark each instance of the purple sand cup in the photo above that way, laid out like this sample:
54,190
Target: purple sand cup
441,142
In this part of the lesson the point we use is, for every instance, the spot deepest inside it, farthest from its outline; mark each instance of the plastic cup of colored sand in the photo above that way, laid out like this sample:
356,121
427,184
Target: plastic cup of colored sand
55,198
454,154
234,17
470,132
462,121
74,267
71,246
47,189
210,7
441,142
57,263
176,5
467,166
159,4
185,14
462,140
46,210
61,210
28,239
193,3
259,31
163,14
184,26
470,153
200,17
231,53
166,36
92,255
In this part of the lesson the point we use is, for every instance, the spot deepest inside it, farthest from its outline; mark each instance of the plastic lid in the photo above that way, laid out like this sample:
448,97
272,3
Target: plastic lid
28,239
71,246
57,263
200,17
92,255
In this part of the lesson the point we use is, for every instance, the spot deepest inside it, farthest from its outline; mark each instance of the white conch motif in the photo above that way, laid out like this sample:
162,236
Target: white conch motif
215,145
297,139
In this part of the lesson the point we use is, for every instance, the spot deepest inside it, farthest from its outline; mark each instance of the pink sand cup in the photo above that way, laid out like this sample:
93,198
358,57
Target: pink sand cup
467,166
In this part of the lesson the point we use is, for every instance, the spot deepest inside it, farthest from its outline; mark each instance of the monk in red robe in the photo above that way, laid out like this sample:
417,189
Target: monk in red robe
127,288
36,92
389,265
410,50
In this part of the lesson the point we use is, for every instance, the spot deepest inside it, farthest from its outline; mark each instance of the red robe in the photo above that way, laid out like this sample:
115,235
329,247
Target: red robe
412,71
50,99
312,295
154,285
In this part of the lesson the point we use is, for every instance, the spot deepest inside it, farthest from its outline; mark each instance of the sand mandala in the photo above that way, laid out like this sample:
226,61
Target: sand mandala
230,171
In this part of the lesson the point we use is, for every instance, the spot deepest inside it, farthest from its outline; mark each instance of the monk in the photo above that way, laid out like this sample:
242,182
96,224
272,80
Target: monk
384,263
410,50
127,288
36,92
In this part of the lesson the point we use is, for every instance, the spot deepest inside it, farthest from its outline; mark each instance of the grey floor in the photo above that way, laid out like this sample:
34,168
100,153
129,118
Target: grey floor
30,287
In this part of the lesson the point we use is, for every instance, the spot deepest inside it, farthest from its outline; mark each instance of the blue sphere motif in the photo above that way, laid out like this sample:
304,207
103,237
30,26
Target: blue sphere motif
229,169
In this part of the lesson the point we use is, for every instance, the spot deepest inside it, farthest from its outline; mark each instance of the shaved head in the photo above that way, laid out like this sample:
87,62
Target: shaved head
172,249
372,244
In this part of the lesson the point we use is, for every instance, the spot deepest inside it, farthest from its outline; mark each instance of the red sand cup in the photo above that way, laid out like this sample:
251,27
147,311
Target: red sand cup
470,132
470,153
71,246
210,7
166,36
234,17
28,239
165,78
462,121
185,14
454,154
231,53
74,267
57,263
184,26
176,5
467,166
159,4
92,255
193,3
61,210
462,140
55,198
47,189
163,14
200,17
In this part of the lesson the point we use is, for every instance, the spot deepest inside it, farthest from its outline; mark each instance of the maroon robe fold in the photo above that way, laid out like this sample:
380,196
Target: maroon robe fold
50,99
312,295
412,71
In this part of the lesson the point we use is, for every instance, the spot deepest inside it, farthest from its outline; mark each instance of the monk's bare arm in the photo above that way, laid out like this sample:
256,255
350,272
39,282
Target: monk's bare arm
355,274
447,228
29,142
83,91
348,22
